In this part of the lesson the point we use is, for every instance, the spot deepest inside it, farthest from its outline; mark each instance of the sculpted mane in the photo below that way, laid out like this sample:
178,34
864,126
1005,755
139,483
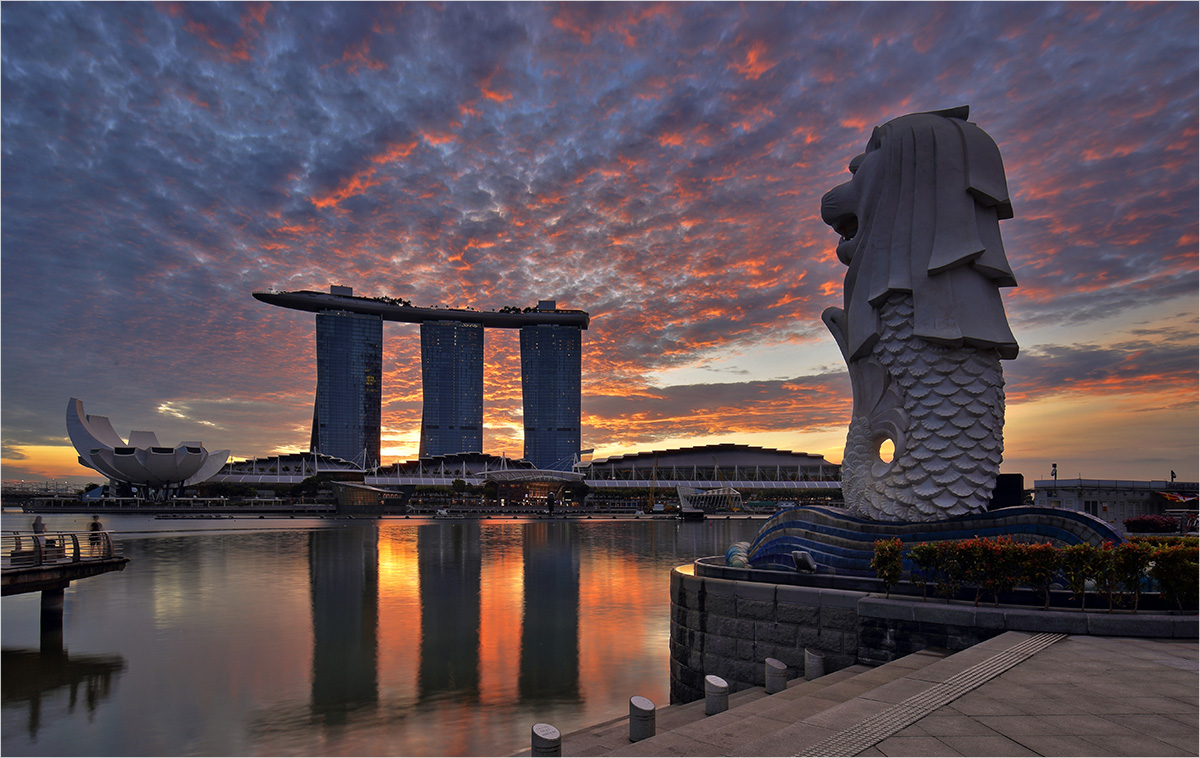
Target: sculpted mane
930,191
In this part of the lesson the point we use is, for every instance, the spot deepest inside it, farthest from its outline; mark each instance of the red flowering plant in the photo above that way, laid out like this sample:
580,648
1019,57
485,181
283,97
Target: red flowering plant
924,558
1151,523
1177,570
1132,563
1104,571
1078,566
887,563
1003,566
973,563
1041,561
949,569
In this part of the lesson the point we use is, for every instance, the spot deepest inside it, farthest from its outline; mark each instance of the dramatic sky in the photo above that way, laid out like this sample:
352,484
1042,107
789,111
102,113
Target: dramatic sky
658,165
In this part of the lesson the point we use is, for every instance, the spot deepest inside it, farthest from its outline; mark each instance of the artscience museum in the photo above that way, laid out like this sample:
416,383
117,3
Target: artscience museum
141,462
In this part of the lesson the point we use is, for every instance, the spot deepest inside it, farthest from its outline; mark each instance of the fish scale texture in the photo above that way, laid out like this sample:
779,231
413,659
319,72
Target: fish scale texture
952,417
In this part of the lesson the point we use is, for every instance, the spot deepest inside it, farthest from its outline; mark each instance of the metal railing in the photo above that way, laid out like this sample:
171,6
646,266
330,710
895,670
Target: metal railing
29,550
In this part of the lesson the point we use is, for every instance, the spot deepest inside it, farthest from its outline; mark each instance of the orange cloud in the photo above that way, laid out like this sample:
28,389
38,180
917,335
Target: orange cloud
756,63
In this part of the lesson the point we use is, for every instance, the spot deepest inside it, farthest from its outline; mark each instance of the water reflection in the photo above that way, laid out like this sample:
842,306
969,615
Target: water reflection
356,638
550,632
343,567
450,565
28,676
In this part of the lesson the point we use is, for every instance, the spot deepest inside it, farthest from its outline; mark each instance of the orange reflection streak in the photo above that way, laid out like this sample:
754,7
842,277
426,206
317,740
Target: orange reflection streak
501,607
617,596
399,632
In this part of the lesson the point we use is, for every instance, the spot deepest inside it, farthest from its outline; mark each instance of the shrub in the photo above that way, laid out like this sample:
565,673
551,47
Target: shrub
1176,568
1004,566
1078,565
975,557
1040,564
1104,571
1151,523
924,558
887,563
949,569
1131,563
1167,539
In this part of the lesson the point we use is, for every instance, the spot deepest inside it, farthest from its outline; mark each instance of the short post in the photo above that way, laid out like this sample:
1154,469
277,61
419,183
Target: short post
545,741
641,718
53,602
716,695
814,664
776,676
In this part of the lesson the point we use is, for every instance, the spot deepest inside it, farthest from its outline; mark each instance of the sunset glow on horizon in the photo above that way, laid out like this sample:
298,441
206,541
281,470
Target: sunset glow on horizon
657,165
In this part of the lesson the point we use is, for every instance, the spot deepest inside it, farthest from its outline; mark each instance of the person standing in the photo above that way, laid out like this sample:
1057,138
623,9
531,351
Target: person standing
95,528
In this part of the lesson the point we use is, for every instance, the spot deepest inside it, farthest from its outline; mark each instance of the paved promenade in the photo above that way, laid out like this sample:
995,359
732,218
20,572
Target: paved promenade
1016,694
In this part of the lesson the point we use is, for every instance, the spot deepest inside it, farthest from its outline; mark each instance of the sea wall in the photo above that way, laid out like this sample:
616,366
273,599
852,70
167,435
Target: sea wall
730,626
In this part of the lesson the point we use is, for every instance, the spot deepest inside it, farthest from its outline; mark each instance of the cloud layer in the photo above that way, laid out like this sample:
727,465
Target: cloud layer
658,165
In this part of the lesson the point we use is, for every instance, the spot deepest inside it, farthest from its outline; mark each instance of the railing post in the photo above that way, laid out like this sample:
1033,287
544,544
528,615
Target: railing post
75,543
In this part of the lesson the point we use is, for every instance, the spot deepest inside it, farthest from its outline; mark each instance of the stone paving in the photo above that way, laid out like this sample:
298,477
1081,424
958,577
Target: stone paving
1081,696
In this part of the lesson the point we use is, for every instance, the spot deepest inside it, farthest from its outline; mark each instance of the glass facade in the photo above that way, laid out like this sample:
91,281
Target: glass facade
349,378
550,377
452,383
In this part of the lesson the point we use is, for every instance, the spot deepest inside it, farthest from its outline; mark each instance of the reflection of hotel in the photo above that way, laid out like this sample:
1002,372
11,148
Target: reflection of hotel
344,579
450,567
550,632
349,366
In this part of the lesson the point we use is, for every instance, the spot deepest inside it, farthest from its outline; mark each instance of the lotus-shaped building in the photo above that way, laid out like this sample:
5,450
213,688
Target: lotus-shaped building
141,461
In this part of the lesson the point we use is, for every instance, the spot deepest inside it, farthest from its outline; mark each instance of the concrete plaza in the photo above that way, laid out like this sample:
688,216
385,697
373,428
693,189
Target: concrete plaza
1079,695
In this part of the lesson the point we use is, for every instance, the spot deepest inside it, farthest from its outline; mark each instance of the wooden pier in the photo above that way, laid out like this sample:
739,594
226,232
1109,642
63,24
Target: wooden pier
48,562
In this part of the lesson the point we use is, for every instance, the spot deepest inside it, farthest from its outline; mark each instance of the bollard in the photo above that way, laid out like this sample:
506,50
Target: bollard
814,664
545,741
641,718
776,676
716,695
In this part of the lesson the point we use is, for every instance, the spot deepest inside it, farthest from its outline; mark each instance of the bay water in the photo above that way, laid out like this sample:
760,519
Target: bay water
251,636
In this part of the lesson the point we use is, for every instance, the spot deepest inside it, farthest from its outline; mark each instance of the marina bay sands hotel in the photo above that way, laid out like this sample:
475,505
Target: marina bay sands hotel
346,415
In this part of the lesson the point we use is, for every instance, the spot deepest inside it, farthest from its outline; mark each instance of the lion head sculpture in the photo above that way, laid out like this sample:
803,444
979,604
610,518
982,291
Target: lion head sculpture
921,215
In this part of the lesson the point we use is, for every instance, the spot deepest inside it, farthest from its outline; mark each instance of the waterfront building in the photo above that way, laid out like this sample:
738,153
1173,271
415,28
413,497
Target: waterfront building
452,374
287,469
705,466
550,392
452,384
346,414
1114,500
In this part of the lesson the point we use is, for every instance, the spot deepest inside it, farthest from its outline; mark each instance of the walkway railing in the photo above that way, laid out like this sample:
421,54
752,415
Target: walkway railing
19,550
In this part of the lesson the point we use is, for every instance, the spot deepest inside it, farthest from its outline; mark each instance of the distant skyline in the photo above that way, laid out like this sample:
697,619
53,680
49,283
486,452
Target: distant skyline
657,165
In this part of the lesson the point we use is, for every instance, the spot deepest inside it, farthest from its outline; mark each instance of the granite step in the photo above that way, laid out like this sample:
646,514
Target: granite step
684,729
603,738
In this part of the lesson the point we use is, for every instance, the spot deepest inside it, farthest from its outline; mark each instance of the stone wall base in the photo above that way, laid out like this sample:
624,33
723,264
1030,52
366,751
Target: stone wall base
730,627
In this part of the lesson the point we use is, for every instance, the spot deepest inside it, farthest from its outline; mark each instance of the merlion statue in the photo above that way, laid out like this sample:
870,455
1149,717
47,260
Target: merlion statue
923,328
